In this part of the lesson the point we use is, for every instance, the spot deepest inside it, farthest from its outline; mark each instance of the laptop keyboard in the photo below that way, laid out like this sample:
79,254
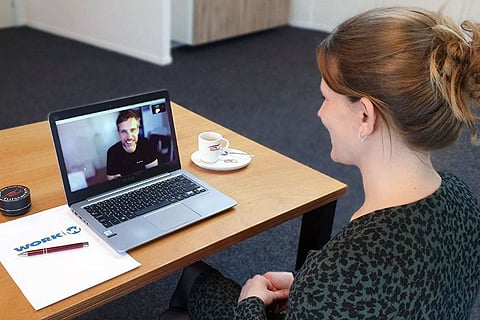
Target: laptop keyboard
138,202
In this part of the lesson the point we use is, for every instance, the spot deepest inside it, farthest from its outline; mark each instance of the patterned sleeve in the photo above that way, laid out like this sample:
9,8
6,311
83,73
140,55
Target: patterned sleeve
251,308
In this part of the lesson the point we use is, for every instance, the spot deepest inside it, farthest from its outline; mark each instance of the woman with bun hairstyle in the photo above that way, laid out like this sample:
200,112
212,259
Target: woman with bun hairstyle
398,83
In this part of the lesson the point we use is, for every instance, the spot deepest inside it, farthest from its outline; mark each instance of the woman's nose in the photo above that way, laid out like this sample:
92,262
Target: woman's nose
319,112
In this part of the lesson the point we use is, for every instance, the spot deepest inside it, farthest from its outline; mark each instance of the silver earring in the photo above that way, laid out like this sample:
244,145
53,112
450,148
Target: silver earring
362,139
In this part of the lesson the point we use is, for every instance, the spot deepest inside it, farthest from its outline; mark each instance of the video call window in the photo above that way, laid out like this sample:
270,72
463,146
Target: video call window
85,142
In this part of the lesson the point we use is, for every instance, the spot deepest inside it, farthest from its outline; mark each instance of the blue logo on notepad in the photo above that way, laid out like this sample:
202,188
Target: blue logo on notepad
64,233
73,230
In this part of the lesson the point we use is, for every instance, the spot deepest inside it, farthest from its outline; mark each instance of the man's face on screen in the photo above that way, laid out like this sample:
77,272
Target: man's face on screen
128,131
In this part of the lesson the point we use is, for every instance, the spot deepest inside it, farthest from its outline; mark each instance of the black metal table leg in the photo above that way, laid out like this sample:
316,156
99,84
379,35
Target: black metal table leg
315,231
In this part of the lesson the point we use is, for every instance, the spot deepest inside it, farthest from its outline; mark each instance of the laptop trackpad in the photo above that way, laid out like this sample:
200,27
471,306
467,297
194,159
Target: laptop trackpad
172,217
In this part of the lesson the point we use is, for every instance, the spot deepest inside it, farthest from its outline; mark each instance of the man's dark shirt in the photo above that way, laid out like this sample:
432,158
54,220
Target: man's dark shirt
121,162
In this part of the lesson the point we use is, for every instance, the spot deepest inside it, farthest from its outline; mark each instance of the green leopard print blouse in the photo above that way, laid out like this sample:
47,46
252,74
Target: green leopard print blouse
416,261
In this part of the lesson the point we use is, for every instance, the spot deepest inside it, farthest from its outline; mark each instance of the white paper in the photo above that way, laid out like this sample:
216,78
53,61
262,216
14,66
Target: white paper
48,278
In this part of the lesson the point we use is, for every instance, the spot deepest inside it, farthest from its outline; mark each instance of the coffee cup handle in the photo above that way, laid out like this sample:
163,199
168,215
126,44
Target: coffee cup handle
227,144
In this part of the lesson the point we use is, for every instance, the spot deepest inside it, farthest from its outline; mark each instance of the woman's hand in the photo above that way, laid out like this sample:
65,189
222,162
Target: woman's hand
270,287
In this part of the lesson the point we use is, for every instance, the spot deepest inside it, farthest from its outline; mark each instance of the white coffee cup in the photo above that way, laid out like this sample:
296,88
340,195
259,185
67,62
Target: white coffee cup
210,146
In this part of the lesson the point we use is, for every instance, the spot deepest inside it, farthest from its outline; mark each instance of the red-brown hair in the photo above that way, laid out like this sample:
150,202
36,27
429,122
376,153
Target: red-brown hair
419,69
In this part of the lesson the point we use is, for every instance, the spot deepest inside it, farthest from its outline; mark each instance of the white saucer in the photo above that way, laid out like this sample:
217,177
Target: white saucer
225,162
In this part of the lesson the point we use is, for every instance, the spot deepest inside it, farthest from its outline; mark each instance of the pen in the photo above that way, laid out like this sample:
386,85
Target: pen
54,249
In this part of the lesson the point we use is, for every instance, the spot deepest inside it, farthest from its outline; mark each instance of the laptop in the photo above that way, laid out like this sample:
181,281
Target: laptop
121,172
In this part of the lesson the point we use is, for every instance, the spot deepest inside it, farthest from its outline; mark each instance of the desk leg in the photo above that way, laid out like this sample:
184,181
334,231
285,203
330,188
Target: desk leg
315,231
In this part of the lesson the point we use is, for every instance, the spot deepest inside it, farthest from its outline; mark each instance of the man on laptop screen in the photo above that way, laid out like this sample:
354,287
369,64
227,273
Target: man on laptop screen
132,153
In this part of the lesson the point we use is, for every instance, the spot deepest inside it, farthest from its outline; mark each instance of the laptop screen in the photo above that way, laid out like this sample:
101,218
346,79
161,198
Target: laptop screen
113,143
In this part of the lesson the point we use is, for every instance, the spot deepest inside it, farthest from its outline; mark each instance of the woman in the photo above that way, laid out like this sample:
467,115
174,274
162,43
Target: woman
398,84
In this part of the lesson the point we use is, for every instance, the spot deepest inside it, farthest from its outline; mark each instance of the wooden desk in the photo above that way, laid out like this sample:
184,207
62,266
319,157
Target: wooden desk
271,190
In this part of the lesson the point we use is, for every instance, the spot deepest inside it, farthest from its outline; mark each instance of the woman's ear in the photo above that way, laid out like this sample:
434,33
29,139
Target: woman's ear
368,117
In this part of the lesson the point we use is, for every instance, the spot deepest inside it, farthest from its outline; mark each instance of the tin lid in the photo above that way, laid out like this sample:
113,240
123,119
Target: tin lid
15,200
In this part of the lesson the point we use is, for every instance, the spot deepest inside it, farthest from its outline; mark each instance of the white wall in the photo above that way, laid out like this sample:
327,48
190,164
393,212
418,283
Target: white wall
182,21
139,28
6,15
142,28
326,14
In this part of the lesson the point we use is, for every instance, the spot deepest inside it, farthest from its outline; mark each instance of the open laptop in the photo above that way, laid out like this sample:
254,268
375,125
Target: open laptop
118,177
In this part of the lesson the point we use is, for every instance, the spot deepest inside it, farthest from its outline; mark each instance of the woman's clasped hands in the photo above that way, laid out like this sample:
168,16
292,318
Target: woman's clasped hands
272,288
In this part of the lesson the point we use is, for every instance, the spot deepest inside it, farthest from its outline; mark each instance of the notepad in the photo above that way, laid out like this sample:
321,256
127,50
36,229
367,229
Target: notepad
49,278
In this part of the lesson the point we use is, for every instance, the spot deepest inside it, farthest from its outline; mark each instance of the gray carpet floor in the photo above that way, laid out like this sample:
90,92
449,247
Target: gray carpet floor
264,86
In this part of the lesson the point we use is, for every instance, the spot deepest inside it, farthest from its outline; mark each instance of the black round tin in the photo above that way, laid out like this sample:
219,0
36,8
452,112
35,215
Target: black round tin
14,200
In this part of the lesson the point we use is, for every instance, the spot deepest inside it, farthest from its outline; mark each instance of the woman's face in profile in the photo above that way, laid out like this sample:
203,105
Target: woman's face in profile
339,115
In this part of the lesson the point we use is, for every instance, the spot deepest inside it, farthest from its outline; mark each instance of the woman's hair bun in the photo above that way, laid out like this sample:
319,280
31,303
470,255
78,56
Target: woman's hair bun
455,68
472,85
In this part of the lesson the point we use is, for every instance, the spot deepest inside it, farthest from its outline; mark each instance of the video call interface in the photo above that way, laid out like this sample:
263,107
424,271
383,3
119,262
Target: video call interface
86,140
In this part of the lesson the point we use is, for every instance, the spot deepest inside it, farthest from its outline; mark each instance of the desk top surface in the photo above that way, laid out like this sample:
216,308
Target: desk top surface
271,190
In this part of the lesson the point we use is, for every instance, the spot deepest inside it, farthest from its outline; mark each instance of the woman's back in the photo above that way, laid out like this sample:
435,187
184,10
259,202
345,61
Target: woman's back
420,260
